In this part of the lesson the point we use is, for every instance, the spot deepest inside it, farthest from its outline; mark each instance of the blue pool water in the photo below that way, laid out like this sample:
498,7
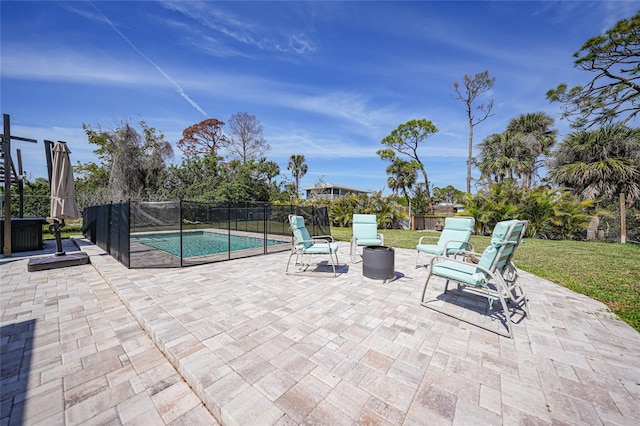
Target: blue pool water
200,243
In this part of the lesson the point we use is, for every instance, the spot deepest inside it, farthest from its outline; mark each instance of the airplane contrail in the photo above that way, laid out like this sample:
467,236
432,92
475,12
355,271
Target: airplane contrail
179,89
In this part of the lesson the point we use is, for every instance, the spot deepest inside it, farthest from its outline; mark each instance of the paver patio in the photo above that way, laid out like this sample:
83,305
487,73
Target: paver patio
103,344
72,354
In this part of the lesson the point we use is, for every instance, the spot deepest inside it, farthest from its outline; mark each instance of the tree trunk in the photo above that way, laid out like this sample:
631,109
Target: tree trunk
592,230
470,156
406,196
426,184
623,219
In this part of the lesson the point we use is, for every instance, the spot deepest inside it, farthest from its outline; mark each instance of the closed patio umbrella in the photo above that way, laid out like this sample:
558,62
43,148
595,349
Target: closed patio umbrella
63,201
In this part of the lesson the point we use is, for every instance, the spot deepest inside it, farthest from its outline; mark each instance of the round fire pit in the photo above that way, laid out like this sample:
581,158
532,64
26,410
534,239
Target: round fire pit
378,262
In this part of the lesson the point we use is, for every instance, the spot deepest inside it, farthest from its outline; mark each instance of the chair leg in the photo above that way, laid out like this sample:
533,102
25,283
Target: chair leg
286,271
515,292
424,290
500,285
505,309
526,303
300,261
334,263
417,256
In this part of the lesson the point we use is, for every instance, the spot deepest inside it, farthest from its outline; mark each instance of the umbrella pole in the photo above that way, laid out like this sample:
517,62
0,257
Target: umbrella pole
55,229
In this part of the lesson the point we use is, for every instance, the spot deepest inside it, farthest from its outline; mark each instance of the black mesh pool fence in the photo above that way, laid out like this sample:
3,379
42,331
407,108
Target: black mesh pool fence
167,234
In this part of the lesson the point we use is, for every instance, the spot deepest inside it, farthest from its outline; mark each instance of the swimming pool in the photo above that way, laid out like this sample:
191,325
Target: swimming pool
201,243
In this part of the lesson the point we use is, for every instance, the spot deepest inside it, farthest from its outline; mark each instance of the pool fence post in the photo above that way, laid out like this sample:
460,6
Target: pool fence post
264,226
180,228
129,233
109,227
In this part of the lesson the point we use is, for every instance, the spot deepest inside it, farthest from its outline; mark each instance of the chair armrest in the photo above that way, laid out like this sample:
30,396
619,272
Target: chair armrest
469,253
427,236
326,238
300,242
464,250
380,237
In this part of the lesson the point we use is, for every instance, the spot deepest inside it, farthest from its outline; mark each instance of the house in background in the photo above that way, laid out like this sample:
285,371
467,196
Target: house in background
330,191
448,208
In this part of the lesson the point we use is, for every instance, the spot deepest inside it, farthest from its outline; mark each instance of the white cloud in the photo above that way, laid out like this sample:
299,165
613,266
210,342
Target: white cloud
241,29
178,88
28,62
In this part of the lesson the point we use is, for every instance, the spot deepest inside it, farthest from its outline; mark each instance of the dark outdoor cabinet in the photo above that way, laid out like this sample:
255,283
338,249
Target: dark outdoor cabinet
26,233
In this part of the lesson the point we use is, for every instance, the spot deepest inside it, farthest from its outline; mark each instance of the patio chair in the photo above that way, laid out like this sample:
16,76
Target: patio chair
365,233
494,277
453,239
304,244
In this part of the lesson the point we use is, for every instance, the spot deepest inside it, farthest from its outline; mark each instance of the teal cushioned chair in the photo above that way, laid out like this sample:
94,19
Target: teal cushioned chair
364,233
494,276
453,239
304,244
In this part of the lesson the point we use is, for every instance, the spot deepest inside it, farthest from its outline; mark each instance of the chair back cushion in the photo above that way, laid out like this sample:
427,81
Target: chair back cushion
459,223
365,227
505,239
299,230
458,230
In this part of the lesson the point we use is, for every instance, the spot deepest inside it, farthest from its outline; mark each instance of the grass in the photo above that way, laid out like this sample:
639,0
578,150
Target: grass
606,272
71,228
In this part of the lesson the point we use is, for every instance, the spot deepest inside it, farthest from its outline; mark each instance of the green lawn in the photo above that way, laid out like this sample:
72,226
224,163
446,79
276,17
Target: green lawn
606,272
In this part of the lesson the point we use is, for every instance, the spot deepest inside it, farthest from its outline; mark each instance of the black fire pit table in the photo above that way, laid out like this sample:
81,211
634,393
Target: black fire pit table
378,263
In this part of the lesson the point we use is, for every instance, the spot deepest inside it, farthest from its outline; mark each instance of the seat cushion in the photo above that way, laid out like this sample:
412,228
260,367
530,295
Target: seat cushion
437,249
368,242
430,248
461,272
321,248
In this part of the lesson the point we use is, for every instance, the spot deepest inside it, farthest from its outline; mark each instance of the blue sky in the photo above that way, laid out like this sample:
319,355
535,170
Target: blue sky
328,80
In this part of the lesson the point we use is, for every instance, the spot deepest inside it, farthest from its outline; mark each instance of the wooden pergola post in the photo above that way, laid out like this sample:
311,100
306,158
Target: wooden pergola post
7,170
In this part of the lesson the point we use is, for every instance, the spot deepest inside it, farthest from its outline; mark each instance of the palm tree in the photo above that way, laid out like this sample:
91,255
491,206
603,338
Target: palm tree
603,163
570,217
535,137
298,170
403,176
499,202
537,207
500,157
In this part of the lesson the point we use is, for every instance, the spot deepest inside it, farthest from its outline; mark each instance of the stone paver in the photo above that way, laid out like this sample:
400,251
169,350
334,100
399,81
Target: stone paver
103,344
73,354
